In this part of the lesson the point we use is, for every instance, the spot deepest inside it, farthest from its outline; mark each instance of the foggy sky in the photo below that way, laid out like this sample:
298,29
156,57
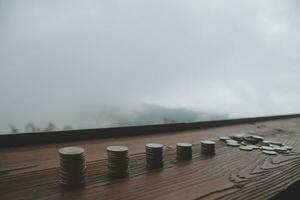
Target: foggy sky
60,59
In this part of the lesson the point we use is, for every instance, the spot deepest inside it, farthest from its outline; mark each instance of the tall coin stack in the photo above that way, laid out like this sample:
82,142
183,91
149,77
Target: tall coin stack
208,147
184,151
72,166
154,155
117,161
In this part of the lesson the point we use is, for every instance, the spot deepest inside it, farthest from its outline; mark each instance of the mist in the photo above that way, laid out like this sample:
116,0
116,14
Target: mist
105,63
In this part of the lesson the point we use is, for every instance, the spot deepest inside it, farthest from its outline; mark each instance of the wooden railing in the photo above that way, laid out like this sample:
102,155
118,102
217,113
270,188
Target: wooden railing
21,139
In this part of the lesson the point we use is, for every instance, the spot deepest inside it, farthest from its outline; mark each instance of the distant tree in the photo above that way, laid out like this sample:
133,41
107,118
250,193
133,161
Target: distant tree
30,127
50,127
67,127
13,129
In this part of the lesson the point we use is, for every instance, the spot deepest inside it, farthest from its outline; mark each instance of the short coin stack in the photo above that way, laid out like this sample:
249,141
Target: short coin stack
117,161
184,151
72,166
208,147
154,155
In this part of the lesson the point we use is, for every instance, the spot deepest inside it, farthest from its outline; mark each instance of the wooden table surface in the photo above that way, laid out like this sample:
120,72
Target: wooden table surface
31,172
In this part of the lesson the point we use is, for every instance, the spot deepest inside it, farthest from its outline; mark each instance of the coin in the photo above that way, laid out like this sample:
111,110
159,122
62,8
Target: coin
258,138
223,138
117,149
269,152
232,143
266,142
246,148
253,146
289,147
281,149
267,148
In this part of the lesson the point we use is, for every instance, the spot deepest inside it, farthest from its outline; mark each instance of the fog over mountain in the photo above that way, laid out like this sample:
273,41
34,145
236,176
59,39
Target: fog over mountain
96,63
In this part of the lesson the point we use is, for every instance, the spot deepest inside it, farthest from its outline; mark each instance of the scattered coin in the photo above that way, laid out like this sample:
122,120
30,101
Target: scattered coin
232,143
289,147
249,139
258,138
246,148
276,143
267,148
281,149
266,142
269,152
224,138
253,146
238,137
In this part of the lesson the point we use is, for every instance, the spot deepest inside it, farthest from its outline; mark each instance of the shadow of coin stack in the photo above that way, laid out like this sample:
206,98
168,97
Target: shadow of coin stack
184,151
208,147
154,155
118,161
72,166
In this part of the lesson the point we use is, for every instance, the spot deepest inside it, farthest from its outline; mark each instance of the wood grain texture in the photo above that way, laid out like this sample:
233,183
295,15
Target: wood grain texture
32,172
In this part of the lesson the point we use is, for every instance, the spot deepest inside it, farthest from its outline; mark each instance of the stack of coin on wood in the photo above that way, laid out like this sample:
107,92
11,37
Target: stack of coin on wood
154,155
184,151
208,147
72,166
117,161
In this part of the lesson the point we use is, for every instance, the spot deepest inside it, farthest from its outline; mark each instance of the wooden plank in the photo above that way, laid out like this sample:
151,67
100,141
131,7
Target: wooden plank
31,172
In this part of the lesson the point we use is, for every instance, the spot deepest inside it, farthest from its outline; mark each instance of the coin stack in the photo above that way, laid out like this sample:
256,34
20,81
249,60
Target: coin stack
72,166
208,147
154,155
117,161
184,151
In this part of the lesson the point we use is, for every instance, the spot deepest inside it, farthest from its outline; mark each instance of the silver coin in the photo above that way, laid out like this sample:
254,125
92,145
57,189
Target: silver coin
154,145
233,144
266,142
184,145
69,151
253,146
289,147
267,148
208,142
276,143
223,138
281,149
246,148
230,140
259,138
117,149
269,152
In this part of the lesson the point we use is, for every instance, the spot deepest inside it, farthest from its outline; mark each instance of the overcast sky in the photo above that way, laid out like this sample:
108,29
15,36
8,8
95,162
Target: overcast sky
61,58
